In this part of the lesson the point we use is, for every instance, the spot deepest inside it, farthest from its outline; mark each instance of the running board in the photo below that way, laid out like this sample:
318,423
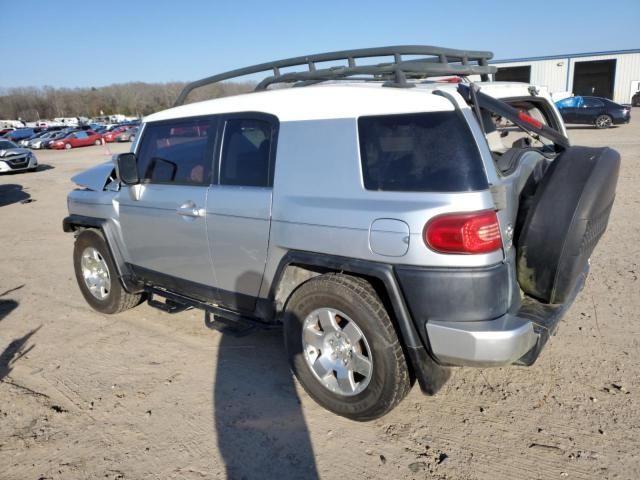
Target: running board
215,317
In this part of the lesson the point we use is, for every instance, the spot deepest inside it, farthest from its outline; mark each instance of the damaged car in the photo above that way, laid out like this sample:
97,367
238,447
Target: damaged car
15,159
395,226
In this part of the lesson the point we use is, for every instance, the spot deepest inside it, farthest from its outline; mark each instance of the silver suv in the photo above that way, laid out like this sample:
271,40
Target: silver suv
397,218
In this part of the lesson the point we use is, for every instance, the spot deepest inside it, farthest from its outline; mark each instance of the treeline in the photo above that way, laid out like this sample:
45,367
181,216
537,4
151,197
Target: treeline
133,99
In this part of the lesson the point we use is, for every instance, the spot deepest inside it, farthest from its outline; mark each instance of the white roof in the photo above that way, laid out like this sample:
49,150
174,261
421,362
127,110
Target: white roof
316,102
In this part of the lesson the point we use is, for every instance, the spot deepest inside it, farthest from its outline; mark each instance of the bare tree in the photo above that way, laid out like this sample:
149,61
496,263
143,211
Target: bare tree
134,99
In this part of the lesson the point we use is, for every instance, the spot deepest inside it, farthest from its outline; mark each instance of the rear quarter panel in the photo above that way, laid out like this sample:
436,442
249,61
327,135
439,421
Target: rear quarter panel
320,203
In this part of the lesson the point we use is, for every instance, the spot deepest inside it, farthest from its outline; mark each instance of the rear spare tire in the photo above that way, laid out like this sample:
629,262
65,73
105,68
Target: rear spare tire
567,216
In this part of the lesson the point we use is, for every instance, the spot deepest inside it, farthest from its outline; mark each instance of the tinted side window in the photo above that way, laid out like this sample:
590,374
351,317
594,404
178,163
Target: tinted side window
245,153
592,102
177,152
426,152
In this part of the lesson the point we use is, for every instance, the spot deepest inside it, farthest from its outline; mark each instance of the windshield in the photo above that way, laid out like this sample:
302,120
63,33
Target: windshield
5,145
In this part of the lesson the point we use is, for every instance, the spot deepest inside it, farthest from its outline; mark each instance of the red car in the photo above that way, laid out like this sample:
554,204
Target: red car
113,134
78,139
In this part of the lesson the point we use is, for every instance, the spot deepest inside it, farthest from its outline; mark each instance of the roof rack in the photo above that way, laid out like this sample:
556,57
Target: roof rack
435,61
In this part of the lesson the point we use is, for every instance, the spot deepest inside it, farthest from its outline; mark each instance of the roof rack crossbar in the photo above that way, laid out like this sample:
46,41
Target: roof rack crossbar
437,61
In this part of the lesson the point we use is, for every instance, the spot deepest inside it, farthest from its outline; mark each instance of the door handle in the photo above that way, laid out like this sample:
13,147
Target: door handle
189,209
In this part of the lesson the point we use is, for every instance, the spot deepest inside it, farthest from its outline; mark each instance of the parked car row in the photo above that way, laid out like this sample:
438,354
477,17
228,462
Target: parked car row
66,137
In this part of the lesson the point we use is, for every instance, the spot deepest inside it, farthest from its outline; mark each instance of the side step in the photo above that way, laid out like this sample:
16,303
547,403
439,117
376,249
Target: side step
215,317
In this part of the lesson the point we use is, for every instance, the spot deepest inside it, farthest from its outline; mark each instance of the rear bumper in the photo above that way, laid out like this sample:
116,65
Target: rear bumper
489,343
512,338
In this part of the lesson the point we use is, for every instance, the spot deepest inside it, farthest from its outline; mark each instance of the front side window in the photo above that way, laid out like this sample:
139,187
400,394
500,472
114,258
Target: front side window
177,152
425,152
245,153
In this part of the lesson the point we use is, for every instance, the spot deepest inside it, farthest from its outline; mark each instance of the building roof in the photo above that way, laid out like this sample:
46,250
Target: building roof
569,55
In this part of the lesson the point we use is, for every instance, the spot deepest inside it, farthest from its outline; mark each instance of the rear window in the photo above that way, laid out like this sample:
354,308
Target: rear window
425,152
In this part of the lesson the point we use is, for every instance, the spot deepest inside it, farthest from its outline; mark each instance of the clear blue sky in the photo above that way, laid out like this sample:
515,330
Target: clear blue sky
95,43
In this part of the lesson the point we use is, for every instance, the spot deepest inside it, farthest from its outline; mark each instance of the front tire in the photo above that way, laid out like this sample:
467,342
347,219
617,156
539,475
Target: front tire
98,142
343,348
604,121
97,276
67,146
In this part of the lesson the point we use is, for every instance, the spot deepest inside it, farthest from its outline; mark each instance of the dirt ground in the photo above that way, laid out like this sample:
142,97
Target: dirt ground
147,395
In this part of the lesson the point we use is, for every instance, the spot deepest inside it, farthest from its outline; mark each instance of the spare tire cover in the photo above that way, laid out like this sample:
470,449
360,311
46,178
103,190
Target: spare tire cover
567,216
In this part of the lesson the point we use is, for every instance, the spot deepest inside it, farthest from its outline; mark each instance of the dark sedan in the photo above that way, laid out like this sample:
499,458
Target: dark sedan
635,100
597,111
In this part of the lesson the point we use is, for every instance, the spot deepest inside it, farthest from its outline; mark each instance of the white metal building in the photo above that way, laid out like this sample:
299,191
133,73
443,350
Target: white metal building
612,74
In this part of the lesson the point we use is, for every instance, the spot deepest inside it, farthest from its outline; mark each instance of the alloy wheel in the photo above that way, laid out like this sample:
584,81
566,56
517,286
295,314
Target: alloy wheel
337,351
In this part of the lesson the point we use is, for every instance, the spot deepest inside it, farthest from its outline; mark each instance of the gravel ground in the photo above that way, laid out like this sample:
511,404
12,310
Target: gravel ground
151,395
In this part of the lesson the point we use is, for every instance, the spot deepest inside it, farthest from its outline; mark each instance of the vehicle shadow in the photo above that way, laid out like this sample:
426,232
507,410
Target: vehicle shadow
42,167
7,306
260,428
14,352
12,193
588,127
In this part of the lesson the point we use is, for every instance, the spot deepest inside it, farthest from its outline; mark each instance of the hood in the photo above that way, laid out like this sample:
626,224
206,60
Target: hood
95,178
13,151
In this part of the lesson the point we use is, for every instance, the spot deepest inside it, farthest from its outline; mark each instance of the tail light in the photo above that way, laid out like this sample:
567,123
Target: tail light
466,233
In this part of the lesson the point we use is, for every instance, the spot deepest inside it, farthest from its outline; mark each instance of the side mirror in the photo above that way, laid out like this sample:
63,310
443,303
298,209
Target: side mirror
127,168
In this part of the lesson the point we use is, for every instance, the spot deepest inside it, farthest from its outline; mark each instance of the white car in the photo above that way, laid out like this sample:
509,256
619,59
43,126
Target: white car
15,159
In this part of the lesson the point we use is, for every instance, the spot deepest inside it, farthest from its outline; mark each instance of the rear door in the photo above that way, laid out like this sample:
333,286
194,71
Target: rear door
239,206
589,110
164,218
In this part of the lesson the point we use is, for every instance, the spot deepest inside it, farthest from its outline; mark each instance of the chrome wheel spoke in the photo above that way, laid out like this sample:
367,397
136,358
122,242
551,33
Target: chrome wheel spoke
313,337
352,332
345,380
360,364
327,319
323,367
103,283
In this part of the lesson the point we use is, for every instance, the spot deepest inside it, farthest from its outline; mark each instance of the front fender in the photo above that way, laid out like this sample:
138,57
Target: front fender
95,178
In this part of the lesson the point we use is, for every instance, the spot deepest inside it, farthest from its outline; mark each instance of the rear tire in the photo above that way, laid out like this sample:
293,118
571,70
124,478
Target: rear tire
603,121
97,275
98,142
370,376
